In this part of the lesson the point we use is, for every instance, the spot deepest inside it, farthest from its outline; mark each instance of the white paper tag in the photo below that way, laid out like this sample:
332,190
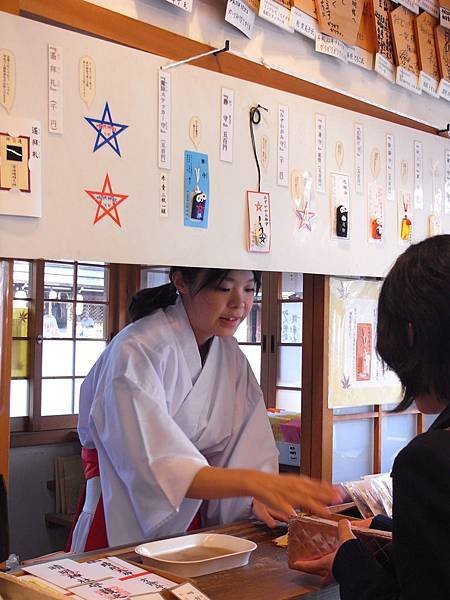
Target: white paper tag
303,23
240,16
163,195
445,17
283,146
411,5
360,57
321,133
408,80
226,125
359,157
275,13
186,591
328,45
87,76
7,79
430,6
418,175
390,167
444,89
55,89
447,182
183,4
428,84
164,120
259,222
384,68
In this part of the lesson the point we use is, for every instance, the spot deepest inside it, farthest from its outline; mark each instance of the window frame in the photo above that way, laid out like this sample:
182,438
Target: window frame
36,428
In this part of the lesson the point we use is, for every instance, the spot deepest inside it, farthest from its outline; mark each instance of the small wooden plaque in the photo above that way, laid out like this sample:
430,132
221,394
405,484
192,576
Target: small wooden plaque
402,26
367,33
384,43
442,39
340,19
424,25
306,6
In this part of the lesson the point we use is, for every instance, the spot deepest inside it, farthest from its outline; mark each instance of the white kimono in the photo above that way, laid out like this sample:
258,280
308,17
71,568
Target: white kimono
156,417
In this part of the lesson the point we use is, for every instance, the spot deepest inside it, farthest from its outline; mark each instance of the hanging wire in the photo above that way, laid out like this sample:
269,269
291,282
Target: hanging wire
255,119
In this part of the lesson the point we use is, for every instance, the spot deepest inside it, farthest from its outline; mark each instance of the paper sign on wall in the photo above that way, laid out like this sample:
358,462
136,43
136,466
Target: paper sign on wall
321,135
283,146
447,182
163,195
418,175
7,78
87,79
55,88
259,222
196,189
20,167
239,14
359,157
226,125
390,167
164,120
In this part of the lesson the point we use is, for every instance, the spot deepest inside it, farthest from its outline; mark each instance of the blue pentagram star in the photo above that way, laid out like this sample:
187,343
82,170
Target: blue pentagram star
107,130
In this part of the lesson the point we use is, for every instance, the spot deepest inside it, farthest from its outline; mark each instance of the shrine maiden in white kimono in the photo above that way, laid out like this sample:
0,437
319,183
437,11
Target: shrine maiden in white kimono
156,417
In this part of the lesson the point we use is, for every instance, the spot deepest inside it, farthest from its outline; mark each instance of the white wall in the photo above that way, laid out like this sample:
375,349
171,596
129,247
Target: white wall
127,79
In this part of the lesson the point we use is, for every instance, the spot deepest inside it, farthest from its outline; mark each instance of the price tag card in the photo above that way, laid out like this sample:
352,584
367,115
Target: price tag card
360,57
331,46
304,23
259,222
187,591
164,117
277,12
384,68
183,4
430,6
241,16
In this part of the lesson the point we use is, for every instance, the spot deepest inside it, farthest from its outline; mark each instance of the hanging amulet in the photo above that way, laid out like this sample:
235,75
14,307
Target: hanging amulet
198,206
405,230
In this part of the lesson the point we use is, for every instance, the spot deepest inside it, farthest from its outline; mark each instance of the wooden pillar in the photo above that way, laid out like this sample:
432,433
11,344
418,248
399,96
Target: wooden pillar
317,418
124,283
5,361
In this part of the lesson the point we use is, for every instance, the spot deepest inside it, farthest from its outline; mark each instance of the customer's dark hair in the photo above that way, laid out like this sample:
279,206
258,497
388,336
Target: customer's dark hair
413,331
148,300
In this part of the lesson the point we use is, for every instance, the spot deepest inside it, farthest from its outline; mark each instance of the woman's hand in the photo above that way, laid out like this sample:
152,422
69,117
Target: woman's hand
267,515
323,566
285,493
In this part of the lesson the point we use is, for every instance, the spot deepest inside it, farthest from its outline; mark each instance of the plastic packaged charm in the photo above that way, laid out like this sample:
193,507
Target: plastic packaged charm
340,205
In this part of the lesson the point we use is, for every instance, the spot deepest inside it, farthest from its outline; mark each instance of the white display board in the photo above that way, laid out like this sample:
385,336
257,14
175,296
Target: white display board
74,225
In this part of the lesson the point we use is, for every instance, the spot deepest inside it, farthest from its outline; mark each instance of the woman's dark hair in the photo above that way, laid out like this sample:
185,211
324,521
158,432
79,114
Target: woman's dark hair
413,331
148,300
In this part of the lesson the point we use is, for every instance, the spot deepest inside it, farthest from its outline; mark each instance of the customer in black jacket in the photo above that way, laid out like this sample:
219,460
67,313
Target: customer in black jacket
413,339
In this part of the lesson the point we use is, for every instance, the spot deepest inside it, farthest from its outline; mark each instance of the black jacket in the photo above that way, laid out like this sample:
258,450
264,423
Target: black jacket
417,563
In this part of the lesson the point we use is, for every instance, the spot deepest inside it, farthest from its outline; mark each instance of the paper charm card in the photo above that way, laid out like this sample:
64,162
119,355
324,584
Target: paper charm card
196,189
20,167
259,222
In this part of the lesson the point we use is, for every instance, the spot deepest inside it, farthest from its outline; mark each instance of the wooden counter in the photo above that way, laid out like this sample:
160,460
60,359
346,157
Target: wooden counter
266,577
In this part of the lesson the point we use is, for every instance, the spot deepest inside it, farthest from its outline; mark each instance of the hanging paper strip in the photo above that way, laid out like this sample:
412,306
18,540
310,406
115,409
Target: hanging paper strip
87,80
283,146
359,157
55,89
227,125
447,182
321,153
165,120
390,167
418,175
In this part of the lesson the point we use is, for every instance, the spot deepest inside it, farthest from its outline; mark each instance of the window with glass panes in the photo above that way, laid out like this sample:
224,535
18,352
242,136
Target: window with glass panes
65,306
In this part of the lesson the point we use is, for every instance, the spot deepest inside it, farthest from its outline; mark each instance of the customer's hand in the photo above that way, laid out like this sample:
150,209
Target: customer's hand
323,566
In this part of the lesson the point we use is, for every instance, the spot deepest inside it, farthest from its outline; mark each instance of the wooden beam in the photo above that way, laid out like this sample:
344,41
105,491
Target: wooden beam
10,6
97,21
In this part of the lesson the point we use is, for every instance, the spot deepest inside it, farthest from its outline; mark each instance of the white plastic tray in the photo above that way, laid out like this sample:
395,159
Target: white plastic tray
238,554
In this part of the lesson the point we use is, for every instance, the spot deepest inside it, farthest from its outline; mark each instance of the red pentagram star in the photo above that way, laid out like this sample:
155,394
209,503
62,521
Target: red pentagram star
107,202
258,206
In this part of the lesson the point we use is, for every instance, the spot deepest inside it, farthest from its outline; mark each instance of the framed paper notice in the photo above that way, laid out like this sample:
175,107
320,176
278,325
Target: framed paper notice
356,375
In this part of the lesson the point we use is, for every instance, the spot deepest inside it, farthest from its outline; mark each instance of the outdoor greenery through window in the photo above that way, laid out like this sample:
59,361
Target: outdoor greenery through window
60,327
